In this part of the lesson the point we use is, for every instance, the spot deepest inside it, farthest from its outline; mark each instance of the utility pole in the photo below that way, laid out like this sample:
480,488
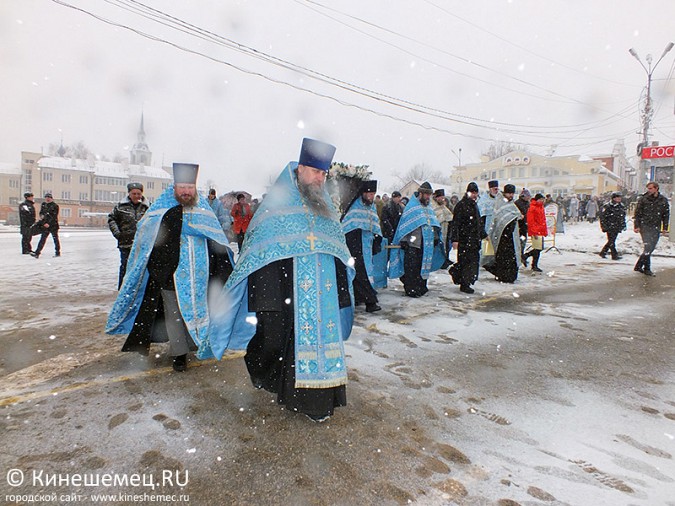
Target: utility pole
459,168
648,111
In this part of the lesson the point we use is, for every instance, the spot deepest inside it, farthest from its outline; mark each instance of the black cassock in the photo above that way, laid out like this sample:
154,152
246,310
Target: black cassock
468,231
413,282
149,325
363,289
505,267
270,356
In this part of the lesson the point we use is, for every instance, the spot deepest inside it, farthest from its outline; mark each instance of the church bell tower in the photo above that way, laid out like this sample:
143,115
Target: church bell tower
140,154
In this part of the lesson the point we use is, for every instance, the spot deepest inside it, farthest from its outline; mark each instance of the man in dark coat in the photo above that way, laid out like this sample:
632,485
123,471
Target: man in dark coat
652,214
364,240
179,250
391,215
467,234
612,222
49,222
26,220
122,223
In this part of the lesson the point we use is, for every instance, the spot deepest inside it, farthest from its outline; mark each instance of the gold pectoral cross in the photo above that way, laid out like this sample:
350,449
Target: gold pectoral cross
311,238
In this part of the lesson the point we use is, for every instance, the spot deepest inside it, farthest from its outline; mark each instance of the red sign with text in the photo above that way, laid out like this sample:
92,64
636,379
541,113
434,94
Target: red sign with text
658,152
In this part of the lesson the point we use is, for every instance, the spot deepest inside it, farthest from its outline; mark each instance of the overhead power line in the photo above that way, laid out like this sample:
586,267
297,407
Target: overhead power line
178,24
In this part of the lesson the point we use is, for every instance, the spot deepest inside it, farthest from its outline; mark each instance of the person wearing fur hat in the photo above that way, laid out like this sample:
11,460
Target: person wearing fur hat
537,230
467,234
505,237
122,222
26,221
612,222
49,224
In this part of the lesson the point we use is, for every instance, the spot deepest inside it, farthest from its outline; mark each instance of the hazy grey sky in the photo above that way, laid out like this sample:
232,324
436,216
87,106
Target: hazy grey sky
462,74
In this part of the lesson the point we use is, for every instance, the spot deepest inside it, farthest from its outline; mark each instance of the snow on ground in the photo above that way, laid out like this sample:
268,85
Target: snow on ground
387,353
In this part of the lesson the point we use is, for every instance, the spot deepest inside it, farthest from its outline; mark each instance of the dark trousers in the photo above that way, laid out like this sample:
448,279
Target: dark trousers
43,239
124,258
611,244
650,238
363,289
240,239
26,238
413,283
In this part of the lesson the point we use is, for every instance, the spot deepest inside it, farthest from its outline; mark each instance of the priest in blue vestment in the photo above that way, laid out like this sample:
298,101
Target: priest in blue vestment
288,302
363,234
421,249
178,253
505,237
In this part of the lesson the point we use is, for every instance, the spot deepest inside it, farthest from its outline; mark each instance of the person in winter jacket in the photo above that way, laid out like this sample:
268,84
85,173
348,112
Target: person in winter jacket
536,229
49,224
391,215
26,219
612,222
467,234
592,209
652,214
242,214
122,223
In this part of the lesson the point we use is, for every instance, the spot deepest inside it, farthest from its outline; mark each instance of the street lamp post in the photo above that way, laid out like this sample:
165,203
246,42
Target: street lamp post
459,168
648,110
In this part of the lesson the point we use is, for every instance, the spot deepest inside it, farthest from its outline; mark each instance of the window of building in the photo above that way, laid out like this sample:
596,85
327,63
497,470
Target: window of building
84,196
150,185
46,176
65,178
65,195
521,171
84,179
13,201
65,212
14,183
165,186
28,160
81,211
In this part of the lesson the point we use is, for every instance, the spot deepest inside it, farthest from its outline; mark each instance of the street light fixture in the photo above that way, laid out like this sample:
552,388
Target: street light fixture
459,168
649,69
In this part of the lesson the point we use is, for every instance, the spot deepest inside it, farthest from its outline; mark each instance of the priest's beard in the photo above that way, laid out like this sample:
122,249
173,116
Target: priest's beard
313,195
187,200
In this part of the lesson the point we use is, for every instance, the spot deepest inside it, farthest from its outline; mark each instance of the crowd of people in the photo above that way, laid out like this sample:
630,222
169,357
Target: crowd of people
287,298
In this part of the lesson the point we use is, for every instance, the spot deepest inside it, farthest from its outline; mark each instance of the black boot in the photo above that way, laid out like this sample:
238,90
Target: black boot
640,265
535,261
180,363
